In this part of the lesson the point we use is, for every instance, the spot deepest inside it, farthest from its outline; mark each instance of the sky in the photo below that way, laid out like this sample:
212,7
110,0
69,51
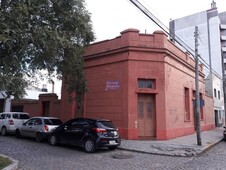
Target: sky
110,17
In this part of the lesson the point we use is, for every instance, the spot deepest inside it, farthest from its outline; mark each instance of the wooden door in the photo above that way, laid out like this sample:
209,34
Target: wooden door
146,116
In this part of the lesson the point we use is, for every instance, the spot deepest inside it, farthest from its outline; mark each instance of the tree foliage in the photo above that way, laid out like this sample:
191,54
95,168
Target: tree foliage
42,34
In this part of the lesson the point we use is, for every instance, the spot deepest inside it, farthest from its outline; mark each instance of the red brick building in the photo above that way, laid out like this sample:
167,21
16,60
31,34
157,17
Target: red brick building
144,84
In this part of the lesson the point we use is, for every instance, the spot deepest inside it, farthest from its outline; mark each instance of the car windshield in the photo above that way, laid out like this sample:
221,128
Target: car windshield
24,116
53,121
105,124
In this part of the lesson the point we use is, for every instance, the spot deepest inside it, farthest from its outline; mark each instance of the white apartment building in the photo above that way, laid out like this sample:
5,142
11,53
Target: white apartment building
212,50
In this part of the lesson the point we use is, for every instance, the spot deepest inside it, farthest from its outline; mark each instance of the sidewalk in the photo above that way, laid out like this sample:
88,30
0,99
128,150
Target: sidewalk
181,146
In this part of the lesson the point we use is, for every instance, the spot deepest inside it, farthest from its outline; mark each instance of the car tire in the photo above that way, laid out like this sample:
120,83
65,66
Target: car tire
18,134
53,140
38,137
112,148
4,131
89,146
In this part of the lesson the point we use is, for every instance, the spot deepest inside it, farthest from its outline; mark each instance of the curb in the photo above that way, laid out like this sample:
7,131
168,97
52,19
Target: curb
13,165
206,148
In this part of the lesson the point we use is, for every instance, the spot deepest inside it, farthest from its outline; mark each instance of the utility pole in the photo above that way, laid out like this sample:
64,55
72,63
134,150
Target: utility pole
197,101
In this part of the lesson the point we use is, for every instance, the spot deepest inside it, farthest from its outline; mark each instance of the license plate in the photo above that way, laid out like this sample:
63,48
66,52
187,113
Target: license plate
112,142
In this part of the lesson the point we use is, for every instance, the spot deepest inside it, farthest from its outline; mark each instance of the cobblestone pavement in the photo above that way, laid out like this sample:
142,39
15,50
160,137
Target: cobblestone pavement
213,159
42,156
131,155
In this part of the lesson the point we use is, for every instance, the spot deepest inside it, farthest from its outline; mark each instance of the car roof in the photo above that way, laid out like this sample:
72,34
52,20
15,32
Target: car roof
14,113
45,117
91,119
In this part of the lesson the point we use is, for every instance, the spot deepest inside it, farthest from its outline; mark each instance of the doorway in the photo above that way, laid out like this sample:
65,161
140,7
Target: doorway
146,116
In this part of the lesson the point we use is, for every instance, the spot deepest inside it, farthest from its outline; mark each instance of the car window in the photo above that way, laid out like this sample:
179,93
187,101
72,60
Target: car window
2,116
30,122
8,116
105,124
15,116
53,122
79,122
38,122
24,116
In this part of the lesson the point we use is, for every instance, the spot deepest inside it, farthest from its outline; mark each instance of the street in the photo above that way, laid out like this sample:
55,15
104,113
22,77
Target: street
39,156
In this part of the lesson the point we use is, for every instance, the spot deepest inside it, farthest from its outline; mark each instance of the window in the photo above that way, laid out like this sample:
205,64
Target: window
219,95
215,93
146,83
186,104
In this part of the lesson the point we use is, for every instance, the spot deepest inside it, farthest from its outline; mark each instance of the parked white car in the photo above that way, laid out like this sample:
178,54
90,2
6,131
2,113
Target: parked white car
10,121
38,128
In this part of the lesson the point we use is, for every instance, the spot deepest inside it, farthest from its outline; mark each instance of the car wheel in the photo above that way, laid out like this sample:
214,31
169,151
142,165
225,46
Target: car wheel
38,137
53,140
89,146
112,147
18,134
4,131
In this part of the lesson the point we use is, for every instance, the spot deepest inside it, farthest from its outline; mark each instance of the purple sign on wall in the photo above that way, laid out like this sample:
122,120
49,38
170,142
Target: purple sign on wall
112,85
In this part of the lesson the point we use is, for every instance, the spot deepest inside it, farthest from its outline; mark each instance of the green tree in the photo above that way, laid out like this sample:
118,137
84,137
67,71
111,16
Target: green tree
43,35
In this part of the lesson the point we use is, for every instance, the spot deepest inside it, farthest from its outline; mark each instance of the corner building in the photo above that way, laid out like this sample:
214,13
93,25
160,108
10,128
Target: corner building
145,85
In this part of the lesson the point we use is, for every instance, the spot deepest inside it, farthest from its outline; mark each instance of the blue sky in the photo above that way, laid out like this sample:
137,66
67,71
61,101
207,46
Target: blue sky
110,17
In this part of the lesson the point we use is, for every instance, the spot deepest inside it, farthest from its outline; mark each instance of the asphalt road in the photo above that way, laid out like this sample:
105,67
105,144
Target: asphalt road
42,156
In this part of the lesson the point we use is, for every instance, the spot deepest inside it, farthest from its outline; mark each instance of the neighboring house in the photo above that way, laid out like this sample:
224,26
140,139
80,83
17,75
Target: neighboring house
5,103
47,104
212,42
39,101
143,83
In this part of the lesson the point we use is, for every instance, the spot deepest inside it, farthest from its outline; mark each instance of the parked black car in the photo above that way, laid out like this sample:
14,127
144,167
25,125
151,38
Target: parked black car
87,133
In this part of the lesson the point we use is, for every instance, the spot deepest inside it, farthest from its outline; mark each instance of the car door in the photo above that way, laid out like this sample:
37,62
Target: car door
27,128
74,131
36,127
